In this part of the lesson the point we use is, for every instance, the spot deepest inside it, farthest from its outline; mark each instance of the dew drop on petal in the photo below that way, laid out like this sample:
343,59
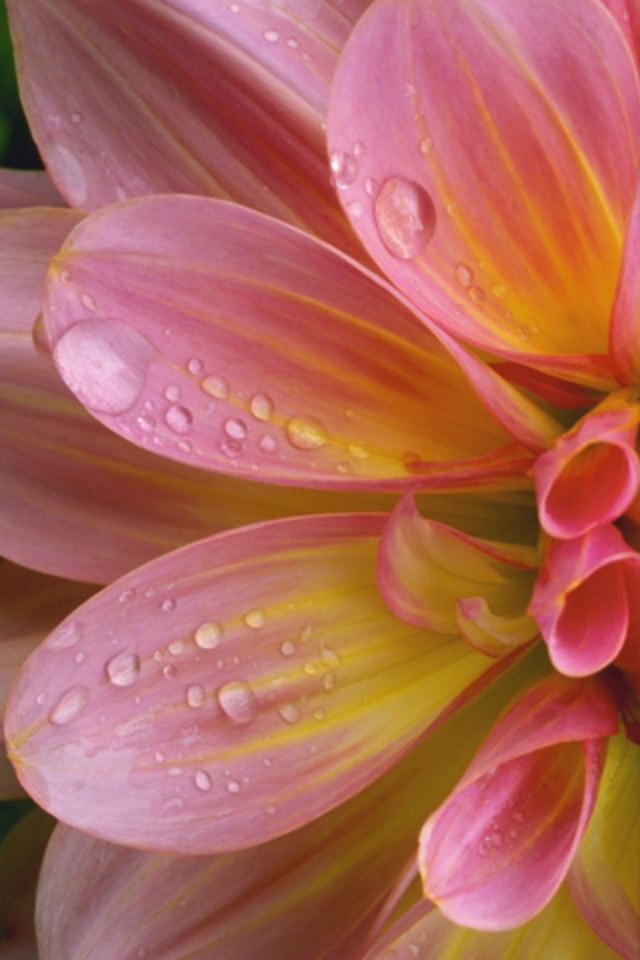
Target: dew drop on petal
178,419
69,706
216,387
176,647
329,656
233,786
126,596
238,701
195,366
172,392
272,36
105,363
202,780
268,444
208,635
68,635
169,671
329,681
306,433
262,406
464,275
168,605
123,669
255,619
236,429
288,648
195,695
289,713
405,217
344,167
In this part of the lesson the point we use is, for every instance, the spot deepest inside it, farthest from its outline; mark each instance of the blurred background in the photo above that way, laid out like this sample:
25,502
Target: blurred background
17,149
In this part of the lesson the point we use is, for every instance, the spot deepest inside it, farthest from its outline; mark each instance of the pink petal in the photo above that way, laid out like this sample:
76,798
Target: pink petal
233,342
627,15
560,393
486,187
624,333
27,188
219,99
498,849
603,877
592,473
212,672
427,572
581,600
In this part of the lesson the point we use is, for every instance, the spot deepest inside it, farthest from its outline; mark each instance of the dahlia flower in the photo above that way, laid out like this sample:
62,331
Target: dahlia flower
398,734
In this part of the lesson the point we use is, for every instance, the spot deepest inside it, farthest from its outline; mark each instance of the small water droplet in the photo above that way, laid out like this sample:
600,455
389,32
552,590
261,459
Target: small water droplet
293,43
208,635
105,363
177,647
172,392
175,771
196,695
267,761
345,169
518,816
426,145
88,301
262,406
289,713
255,619
370,186
306,433
178,419
268,444
67,635
355,209
476,294
464,275
169,671
216,387
159,756
484,847
236,429
310,669
306,632
500,290
238,701
331,657
127,596
202,780
195,366
76,117
123,669
272,36
405,217
358,451
231,448
80,657
319,714
146,423
69,706
168,605
288,648
329,681
233,786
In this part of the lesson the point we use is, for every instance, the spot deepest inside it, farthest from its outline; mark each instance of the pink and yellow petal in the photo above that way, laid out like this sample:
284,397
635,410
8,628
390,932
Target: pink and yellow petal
232,342
485,185
624,333
218,99
604,875
211,673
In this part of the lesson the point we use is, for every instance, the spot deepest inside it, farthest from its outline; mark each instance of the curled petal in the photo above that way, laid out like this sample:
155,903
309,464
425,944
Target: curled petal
604,875
434,577
496,851
219,99
591,475
584,601
177,701
235,343
485,185
624,333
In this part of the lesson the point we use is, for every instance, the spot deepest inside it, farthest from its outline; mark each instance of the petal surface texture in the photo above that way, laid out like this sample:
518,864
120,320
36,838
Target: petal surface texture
232,342
212,672
625,319
486,187
218,99
498,849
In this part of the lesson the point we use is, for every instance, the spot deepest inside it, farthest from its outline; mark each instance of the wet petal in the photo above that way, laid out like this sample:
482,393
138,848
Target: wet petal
557,928
592,474
486,187
624,334
604,875
232,342
583,603
212,672
27,188
434,577
184,97
497,850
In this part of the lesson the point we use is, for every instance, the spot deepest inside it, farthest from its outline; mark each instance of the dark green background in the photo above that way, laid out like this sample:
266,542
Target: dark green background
17,149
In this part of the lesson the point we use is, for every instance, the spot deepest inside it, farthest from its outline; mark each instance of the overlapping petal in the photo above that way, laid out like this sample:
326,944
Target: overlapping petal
604,878
497,850
230,341
212,673
27,188
591,475
624,333
219,99
586,602
485,185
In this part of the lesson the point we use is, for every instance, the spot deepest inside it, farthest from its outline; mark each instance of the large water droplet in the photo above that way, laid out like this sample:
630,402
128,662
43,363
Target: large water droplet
67,635
123,669
306,433
262,406
236,429
105,363
405,217
208,635
178,419
195,695
202,780
69,706
238,701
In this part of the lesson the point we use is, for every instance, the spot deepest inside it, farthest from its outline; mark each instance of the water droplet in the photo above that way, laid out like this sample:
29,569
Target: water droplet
319,714
329,656
305,633
355,208
288,648
216,387
293,43
306,433
359,148
175,771
196,695
524,332
146,423
105,363
310,669
267,761
168,605
88,301
500,290
195,366
172,392
464,275
344,167
69,706
208,635
268,444
405,217
370,186
177,647
329,681
484,847
518,816
80,657
238,701
426,145
202,780
76,117
477,294
159,756
289,713
67,635
262,406
236,429
357,451
127,596
169,671
272,36
255,619
123,669
178,419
